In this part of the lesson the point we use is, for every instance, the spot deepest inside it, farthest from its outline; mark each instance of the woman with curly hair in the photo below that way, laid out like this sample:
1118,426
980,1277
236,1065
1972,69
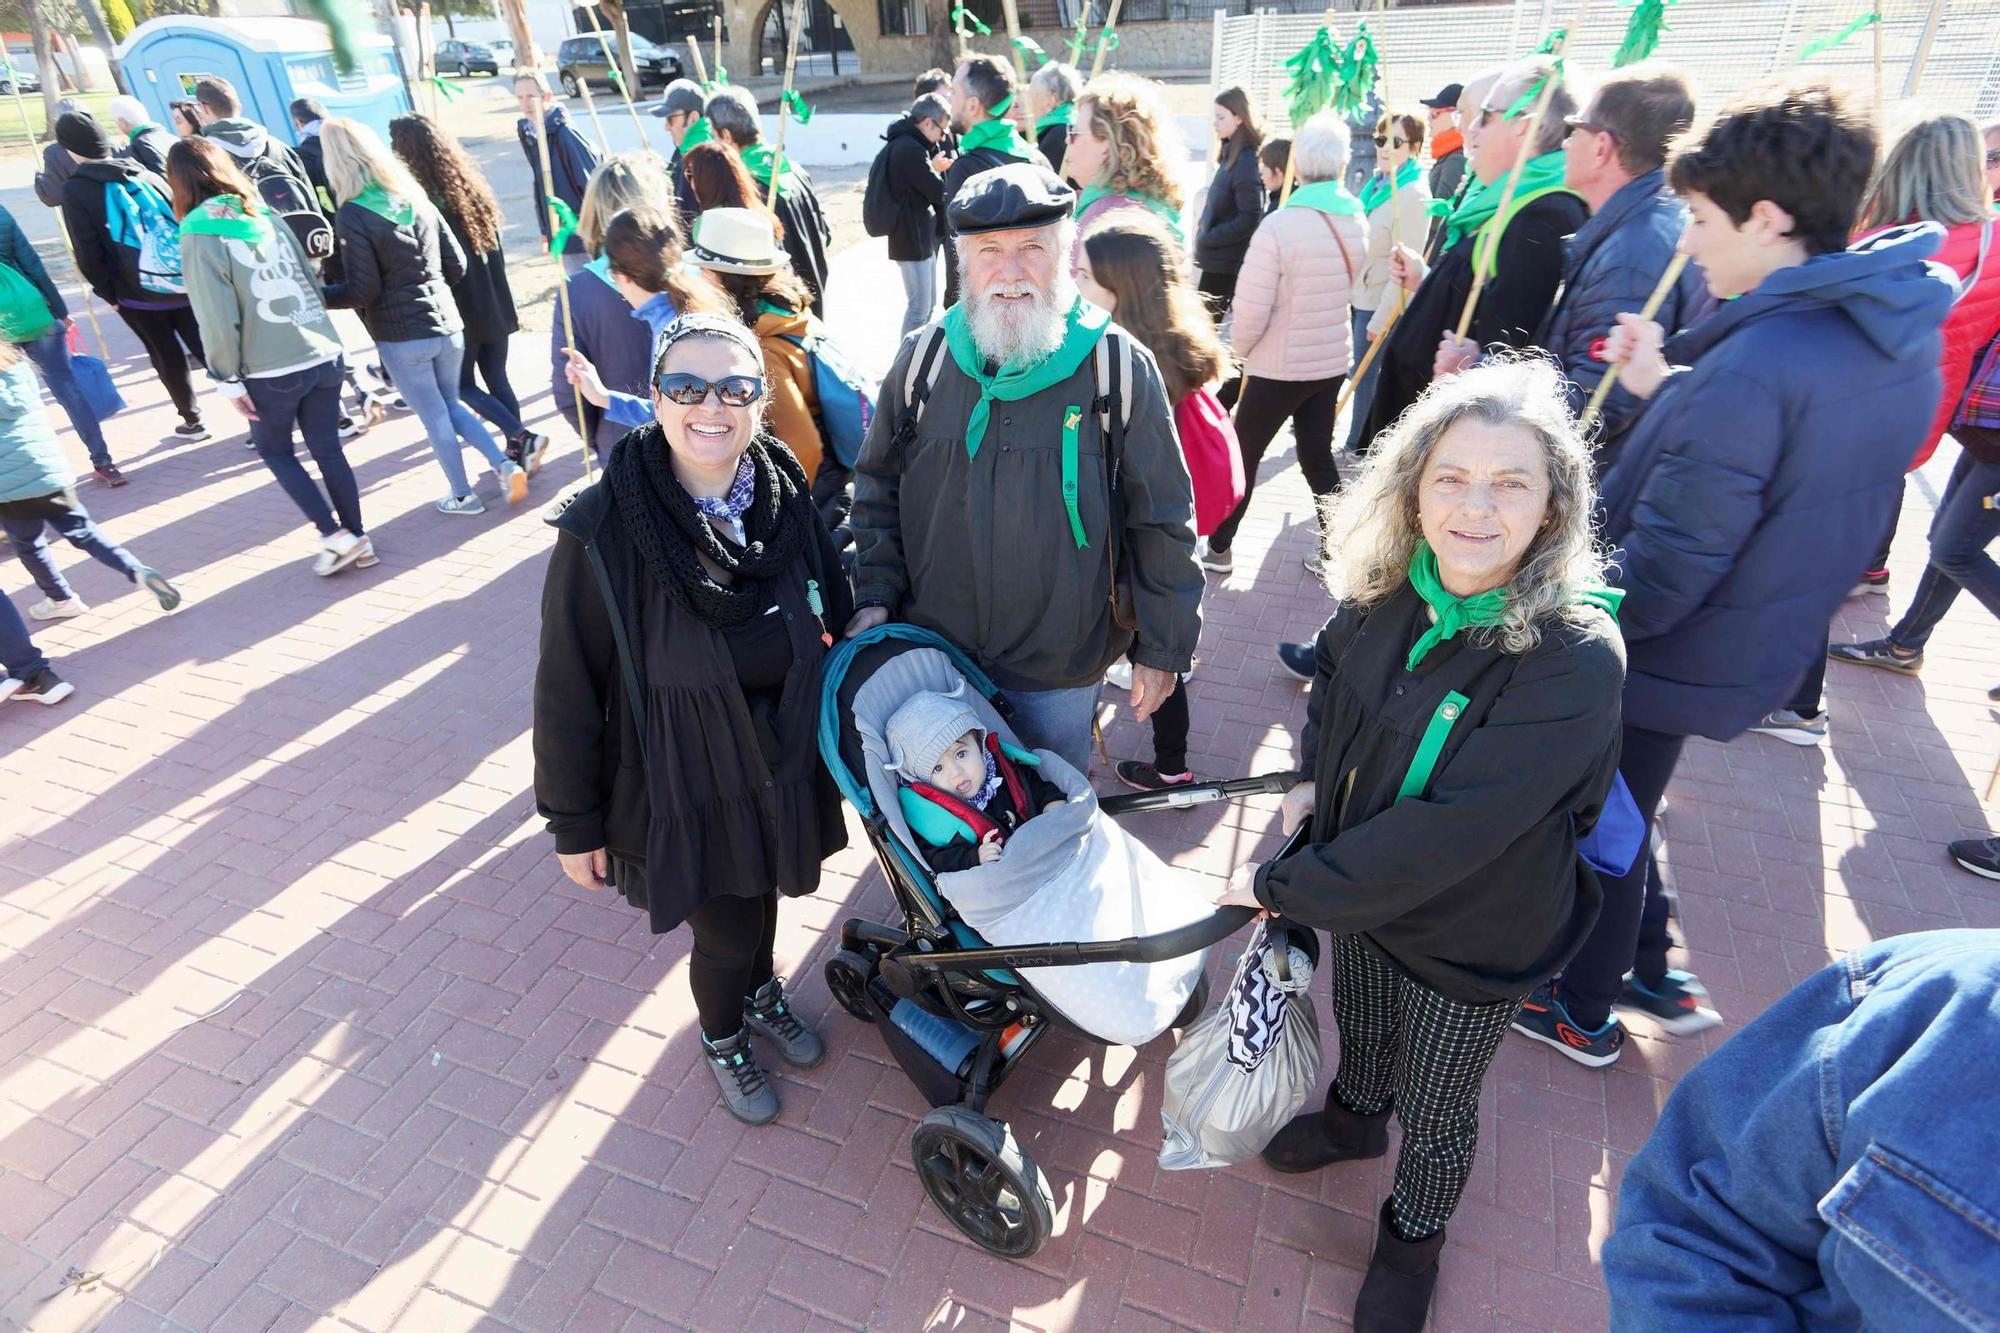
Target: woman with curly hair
1462,735
1119,153
485,302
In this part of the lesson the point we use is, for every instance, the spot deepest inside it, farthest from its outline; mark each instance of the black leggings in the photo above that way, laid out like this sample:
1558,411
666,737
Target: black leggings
733,938
1170,731
163,333
1268,405
1217,291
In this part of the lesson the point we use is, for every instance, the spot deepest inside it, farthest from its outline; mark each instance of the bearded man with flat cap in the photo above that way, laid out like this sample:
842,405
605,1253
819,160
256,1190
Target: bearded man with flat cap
1022,471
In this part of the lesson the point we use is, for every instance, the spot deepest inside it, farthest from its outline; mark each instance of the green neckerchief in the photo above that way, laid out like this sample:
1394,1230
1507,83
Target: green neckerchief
1449,614
224,215
378,200
1062,115
1441,208
1328,197
996,133
1378,189
698,131
1085,324
760,157
1539,175
140,129
1165,211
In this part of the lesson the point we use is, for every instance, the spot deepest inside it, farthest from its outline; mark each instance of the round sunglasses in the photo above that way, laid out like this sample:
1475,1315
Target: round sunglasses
692,390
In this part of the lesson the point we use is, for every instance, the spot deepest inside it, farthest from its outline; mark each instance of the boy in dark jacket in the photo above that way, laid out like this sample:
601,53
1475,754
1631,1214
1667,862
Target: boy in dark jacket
982,93
960,781
1752,492
108,247
571,159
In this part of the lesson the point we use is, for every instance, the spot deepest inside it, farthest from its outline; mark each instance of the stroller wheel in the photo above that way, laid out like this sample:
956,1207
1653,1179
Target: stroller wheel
847,974
978,1177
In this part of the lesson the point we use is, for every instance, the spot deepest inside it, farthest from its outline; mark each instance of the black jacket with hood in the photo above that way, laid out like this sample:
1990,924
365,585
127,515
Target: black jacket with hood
111,269
1235,207
916,189
400,266
148,146
246,141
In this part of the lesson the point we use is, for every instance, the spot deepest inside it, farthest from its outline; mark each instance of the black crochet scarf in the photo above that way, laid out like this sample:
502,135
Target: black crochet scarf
670,532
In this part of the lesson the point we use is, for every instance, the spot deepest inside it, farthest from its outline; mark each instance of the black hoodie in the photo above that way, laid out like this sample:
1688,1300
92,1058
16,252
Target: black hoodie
917,190
111,269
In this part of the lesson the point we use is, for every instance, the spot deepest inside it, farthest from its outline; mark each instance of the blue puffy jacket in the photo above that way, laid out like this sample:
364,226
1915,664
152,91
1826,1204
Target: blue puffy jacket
1832,1166
1754,489
31,462
1610,267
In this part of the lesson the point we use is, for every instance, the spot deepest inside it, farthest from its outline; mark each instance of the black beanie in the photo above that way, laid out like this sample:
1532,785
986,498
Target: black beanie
82,135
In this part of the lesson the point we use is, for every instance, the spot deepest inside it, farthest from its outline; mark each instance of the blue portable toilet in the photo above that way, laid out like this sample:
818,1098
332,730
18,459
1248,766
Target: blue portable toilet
270,61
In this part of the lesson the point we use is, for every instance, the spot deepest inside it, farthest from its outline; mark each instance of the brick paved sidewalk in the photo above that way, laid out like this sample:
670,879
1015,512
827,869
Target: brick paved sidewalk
298,1018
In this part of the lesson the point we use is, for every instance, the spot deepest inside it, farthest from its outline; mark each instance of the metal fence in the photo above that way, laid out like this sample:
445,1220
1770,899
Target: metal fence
1944,55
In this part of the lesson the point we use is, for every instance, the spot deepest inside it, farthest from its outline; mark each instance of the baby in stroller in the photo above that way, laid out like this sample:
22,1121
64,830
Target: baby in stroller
964,789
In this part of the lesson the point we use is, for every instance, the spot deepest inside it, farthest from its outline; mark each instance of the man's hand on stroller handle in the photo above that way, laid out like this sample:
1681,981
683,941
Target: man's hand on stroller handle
1150,688
587,870
1297,807
864,619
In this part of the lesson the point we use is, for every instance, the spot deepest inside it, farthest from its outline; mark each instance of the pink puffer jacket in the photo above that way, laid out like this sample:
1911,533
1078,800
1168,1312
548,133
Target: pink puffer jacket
1290,318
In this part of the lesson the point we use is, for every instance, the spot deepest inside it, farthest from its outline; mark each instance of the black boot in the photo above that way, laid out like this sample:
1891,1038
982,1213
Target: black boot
1396,1294
1331,1134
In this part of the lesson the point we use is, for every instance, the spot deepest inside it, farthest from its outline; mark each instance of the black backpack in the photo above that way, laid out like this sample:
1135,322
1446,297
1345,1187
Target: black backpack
878,207
292,199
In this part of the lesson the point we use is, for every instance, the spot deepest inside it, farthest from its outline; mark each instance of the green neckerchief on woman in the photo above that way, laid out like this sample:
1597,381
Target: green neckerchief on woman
1062,115
1451,614
227,216
1329,197
1378,190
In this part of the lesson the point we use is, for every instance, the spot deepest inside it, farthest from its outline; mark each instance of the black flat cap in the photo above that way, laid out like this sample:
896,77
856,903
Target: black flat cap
1019,194
1447,97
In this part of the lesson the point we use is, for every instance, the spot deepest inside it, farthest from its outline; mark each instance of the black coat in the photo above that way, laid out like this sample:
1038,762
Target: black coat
806,236
1512,305
1472,886
397,276
917,190
1235,207
1053,142
111,269
593,780
485,301
149,149
312,156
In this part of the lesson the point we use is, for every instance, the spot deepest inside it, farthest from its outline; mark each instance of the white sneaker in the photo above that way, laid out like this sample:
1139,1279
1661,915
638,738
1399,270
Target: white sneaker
461,504
364,558
7,687
336,552
51,609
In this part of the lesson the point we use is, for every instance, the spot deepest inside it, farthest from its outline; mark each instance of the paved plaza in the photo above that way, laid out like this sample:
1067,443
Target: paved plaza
300,1024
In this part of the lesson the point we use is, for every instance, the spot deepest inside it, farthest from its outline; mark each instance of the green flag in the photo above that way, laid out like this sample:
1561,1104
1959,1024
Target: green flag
1813,48
1642,34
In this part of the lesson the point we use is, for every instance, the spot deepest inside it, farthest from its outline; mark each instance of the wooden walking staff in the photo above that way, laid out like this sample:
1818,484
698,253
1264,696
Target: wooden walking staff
1536,115
618,69
785,106
1013,18
562,289
1880,124
694,50
717,62
1652,309
1108,35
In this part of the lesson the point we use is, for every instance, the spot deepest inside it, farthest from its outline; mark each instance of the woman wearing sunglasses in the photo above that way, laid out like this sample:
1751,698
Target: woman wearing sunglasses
1397,199
689,601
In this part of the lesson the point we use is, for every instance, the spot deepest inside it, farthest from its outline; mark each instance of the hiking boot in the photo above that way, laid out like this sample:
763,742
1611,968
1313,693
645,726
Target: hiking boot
1877,653
1875,581
1546,1018
1979,855
156,583
1331,1134
770,1016
108,474
746,1093
337,551
1677,1003
1396,1294
461,504
58,608
44,687
192,431
1142,776
1300,660
1793,728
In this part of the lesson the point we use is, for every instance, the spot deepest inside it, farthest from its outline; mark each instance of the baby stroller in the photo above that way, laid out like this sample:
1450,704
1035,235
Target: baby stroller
951,1008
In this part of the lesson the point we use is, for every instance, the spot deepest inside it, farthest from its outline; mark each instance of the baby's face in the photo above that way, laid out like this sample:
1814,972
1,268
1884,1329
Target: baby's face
961,769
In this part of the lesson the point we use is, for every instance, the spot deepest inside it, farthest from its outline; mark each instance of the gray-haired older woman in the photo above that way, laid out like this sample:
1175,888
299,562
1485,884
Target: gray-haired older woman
1462,733
685,616
1291,325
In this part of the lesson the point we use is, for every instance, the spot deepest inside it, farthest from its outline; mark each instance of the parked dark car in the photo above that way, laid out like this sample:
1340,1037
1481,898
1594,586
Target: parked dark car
467,58
591,58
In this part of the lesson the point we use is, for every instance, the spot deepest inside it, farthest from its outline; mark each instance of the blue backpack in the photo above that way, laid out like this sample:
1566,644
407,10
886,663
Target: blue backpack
845,408
138,218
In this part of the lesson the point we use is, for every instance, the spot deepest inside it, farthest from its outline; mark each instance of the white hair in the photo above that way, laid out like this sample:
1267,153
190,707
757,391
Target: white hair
1006,333
1319,150
126,111
1058,82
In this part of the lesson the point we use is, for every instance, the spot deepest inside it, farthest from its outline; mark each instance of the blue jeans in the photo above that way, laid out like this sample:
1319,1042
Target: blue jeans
919,291
1960,534
50,353
1058,720
426,374
27,523
310,399
496,402
1364,389
19,658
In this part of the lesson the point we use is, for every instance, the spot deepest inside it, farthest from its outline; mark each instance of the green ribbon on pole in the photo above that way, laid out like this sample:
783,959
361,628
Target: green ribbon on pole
1813,48
1315,72
1642,34
451,94
966,21
1548,46
801,112
1028,46
617,75
720,80
565,226
1355,76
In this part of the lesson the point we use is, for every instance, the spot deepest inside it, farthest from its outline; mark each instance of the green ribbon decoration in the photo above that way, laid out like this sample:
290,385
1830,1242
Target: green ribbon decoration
797,105
966,21
1356,74
721,80
1106,41
1028,46
1315,70
1813,48
1548,46
1642,34
1003,106
450,93
565,226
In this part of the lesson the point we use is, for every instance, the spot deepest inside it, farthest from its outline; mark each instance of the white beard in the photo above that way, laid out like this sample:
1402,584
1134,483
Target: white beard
1021,333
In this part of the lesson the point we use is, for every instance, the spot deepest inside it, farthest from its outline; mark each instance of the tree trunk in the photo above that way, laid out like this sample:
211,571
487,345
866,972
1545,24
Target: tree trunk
527,56
450,28
93,14
944,40
45,65
621,27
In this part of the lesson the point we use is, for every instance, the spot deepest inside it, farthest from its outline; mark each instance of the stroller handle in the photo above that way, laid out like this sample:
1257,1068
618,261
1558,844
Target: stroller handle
1200,793
1191,938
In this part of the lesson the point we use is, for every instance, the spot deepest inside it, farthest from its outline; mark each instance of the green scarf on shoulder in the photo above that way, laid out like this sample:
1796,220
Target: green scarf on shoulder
393,207
761,158
1062,115
1161,209
227,216
1540,176
1378,189
1011,383
699,131
1452,614
998,133
1326,196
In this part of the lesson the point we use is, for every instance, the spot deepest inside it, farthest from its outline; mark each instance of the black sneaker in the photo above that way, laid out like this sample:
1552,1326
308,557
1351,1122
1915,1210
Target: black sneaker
1876,653
191,431
108,474
1979,855
534,451
1300,660
1875,581
746,1093
1678,1003
1544,1017
1142,776
44,687
770,1016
